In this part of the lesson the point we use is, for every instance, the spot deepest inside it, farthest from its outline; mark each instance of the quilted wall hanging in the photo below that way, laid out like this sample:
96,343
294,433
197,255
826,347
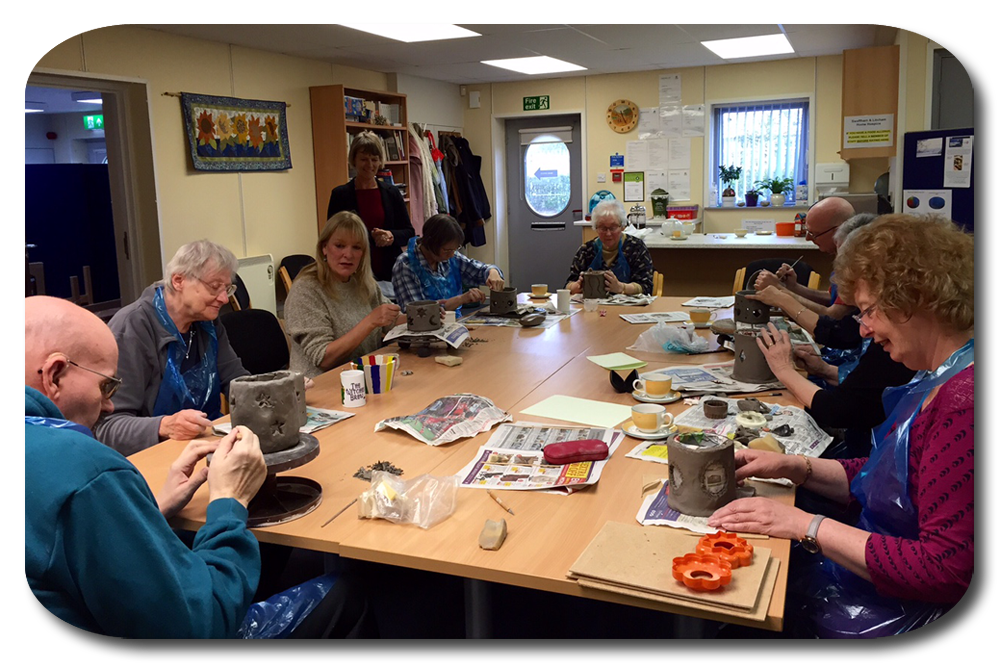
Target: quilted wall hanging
232,134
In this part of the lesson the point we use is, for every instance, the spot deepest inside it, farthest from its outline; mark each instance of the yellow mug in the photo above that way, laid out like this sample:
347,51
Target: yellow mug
651,418
655,385
700,315
539,290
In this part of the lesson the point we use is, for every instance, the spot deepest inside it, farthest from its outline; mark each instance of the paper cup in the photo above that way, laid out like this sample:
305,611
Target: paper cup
379,371
562,300
352,388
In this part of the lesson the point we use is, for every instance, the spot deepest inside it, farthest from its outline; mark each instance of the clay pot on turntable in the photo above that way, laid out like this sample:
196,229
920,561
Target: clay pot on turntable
749,311
593,285
702,474
751,364
503,301
423,316
272,405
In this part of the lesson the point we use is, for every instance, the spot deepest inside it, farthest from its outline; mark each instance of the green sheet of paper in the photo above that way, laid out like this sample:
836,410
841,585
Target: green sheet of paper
619,361
581,411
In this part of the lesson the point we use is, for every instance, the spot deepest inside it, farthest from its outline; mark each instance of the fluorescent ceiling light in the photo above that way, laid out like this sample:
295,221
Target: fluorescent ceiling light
88,98
750,47
534,65
34,107
413,32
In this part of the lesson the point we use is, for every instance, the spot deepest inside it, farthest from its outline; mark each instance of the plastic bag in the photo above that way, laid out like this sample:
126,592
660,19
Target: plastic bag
423,501
660,338
279,615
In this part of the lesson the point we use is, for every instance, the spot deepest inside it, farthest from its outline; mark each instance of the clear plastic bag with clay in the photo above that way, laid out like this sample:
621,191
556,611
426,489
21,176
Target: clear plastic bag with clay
670,338
279,615
424,501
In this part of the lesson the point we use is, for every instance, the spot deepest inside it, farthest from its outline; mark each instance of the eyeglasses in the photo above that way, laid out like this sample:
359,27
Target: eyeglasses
218,288
110,384
812,237
866,313
608,230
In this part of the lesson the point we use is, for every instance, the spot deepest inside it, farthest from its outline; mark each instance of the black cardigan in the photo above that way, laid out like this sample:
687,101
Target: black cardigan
397,220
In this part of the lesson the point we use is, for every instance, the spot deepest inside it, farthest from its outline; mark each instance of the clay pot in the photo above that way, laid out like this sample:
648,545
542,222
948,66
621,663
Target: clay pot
715,409
751,364
423,316
272,405
593,285
503,301
702,476
749,311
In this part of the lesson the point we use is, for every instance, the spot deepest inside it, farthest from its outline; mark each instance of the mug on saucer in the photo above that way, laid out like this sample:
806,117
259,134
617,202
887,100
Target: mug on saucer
539,289
651,418
654,385
700,315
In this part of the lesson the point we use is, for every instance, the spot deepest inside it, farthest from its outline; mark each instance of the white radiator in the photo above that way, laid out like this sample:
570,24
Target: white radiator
258,276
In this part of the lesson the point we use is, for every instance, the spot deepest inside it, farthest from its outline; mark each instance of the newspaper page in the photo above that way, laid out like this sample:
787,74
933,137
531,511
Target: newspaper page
484,319
715,378
627,300
449,418
710,302
520,466
655,511
453,334
654,318
317,418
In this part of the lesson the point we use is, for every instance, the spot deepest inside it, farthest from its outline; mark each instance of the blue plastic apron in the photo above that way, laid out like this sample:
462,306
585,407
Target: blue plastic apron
621,269
199,387
435,287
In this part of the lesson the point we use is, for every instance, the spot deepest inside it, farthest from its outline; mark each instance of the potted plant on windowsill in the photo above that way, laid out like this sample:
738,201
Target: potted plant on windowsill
777,187
729,175
751,196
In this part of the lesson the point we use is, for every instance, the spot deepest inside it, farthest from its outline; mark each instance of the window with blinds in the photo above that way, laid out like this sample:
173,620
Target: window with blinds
767,139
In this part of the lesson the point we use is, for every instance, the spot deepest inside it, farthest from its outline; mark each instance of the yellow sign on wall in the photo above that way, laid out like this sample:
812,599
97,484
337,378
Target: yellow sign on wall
868,131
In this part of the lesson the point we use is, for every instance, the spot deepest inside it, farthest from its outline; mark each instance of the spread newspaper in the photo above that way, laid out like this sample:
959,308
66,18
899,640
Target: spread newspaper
715,378
453,334
317,418
449,418
512,458
653,318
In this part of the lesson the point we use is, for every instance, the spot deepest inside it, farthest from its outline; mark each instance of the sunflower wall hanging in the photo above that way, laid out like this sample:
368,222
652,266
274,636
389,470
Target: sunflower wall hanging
232,134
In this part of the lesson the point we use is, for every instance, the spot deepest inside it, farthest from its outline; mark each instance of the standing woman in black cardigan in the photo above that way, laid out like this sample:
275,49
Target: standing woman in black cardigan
380,206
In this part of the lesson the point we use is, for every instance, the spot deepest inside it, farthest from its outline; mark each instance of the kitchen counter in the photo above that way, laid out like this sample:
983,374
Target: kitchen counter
730,242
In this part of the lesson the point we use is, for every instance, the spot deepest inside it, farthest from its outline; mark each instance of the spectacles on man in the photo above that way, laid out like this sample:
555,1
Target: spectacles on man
219,287
812,237
864,314
108,386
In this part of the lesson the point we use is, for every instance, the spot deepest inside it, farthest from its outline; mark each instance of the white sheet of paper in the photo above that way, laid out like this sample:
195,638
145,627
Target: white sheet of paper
580,411
636,155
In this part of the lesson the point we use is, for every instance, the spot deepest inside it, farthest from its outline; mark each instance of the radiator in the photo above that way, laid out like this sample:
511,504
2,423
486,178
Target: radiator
257,274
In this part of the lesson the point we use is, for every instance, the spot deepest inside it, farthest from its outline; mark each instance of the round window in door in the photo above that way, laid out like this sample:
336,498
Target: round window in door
546,176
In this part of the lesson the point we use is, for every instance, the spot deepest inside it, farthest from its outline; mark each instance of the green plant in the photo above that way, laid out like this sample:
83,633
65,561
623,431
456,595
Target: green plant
730,174
775,186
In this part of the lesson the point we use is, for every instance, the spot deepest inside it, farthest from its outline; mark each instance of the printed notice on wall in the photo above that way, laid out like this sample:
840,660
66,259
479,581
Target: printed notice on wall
927,202
694,120
670,89
649,123
958,162
868,131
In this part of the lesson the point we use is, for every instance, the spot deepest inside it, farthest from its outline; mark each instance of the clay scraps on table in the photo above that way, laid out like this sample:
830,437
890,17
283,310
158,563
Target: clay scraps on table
384,466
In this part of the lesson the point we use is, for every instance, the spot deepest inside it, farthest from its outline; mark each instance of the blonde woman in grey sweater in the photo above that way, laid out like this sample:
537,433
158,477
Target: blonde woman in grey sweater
335,311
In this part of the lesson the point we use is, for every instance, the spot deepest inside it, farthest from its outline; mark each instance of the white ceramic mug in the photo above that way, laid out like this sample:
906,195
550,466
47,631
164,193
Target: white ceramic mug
352,388
651,418
654,385
562,300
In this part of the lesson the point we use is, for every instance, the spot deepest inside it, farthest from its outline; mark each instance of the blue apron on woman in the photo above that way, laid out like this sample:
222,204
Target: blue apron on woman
197,388
621,269
435,287
837,602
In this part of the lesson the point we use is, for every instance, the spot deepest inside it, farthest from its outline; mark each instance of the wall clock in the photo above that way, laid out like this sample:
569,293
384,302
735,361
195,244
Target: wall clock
623,115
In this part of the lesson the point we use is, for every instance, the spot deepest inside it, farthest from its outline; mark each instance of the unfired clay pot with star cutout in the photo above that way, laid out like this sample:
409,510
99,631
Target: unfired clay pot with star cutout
272,405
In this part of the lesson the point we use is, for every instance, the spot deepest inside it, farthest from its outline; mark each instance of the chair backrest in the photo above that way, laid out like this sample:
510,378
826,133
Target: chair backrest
258,339
290,267
657,283
802,270
240,300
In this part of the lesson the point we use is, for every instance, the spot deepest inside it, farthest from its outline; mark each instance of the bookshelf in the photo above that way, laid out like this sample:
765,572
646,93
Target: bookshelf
333,129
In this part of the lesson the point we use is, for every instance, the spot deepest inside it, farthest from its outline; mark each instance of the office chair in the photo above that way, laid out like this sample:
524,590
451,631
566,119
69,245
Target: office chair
745,276
290,267
258,339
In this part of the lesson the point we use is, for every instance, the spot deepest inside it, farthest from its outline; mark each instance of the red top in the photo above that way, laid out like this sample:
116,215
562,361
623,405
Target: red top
371,212
937,566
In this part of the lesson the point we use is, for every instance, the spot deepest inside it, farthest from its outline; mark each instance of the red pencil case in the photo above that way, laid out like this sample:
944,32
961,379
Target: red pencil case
573,451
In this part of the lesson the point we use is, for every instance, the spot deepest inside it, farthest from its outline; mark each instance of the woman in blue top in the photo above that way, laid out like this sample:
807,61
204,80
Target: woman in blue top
432,269
625,260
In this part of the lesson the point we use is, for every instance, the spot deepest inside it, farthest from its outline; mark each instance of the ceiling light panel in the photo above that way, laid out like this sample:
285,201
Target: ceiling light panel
534,65
749,47
413,32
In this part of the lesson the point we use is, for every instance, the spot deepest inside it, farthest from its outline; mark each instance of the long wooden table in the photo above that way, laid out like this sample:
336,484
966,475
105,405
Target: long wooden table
515,368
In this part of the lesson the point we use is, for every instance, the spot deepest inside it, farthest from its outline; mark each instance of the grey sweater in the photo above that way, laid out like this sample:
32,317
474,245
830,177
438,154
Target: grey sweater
313,320
142,356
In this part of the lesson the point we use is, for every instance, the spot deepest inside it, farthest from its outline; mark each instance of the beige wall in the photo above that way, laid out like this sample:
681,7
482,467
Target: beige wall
251,213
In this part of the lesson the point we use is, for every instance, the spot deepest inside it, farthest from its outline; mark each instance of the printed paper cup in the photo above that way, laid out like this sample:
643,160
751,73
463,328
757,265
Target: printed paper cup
379,370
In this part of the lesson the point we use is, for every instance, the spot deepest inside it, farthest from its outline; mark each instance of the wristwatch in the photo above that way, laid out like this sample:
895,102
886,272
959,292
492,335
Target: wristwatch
809,542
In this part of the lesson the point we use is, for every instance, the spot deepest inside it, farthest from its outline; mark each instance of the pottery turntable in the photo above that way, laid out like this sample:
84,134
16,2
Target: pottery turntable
273,406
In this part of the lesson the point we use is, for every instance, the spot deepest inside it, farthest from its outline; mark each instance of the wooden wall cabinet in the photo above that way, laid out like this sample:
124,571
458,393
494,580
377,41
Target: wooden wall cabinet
870,87
332,135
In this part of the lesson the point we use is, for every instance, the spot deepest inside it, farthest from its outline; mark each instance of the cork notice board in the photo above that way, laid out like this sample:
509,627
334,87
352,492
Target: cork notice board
636,560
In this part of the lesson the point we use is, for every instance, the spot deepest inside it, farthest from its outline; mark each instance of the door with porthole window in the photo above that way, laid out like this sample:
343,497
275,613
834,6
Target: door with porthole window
544,180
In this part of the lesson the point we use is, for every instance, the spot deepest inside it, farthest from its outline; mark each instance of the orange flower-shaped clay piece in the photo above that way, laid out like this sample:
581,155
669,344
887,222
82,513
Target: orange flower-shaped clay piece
737,551
702,572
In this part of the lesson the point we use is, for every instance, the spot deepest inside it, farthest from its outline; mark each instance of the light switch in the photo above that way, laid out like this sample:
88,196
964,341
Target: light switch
602,178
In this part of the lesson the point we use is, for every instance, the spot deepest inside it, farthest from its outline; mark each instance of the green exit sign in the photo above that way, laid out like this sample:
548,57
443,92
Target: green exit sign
94,122
536,103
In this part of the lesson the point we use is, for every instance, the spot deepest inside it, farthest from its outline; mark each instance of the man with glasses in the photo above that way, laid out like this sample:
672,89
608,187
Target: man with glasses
175,356
99,553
